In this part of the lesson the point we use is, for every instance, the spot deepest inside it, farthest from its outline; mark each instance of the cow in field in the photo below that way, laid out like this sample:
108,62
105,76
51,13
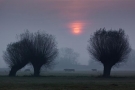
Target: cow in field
94,70
69,70
27,70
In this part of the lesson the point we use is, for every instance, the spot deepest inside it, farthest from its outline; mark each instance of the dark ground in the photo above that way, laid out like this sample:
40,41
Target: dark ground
66,83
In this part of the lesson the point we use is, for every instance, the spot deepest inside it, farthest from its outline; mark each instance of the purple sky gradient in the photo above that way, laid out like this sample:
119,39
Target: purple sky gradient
55,16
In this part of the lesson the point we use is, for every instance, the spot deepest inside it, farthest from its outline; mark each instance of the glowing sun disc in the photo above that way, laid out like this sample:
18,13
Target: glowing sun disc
76,28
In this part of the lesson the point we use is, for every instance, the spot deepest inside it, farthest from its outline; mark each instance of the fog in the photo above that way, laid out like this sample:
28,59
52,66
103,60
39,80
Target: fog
56,17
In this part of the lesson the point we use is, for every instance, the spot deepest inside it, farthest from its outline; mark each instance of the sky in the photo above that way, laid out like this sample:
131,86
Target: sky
70,21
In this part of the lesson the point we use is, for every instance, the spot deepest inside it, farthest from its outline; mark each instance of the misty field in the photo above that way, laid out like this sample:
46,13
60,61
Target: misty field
69,81
76,73
66,83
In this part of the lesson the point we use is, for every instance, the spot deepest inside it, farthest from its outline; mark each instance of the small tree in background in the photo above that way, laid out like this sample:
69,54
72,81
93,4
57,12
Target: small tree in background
109,47
67,58
16,56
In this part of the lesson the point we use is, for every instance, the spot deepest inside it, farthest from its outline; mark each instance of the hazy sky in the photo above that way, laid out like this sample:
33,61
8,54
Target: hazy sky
61,17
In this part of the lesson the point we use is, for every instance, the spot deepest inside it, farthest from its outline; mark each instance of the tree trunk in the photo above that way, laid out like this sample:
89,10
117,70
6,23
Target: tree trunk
12,72
36,71
107,70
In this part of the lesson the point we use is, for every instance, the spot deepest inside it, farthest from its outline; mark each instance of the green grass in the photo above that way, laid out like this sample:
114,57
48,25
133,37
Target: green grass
66,83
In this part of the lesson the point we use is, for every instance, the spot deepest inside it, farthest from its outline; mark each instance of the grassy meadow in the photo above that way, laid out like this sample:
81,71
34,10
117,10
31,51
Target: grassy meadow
68,81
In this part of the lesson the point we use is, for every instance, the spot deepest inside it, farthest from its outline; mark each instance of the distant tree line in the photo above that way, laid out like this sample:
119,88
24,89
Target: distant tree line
110,47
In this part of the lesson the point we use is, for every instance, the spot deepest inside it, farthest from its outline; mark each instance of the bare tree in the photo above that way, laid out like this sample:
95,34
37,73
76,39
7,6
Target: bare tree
43,49
109,47
37,48
17,56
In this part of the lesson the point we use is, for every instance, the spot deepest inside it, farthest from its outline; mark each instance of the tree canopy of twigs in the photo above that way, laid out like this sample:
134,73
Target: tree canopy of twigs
16,56
38,48
110,47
